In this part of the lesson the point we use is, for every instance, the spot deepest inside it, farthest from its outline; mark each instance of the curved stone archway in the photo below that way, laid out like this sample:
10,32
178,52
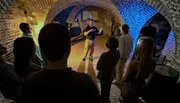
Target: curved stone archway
170,10
104,4
167,8
74,12
11,16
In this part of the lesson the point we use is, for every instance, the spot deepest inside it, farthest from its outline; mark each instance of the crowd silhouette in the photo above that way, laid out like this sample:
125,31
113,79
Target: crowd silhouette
29,81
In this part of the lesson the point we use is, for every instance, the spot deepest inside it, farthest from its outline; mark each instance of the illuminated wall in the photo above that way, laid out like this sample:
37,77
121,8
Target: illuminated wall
169,48
135,13
63,15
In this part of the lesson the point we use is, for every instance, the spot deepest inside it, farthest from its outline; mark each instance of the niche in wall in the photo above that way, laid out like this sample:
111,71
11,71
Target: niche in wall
90,14
163,30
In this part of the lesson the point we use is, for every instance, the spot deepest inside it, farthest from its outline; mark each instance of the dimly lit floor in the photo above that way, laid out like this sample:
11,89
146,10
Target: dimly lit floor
75,61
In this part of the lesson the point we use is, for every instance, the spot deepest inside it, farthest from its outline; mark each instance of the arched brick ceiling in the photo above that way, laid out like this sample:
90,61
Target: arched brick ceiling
170,9
48,9
74,12
63,4
33,5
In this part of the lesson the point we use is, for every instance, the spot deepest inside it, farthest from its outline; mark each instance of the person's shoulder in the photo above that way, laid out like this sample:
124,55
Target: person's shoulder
154,61
79,75
87,27
134,63
129,35
35,78
94,27
122,36
35,75
7,65
104,54
36,67
82,77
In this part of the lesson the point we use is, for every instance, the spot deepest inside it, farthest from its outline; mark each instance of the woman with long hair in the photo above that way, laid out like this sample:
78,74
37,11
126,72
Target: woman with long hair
138,71
24,49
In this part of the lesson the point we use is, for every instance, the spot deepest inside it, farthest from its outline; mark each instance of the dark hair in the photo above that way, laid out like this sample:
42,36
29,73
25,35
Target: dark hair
24,49
149,31
24,26
90,19
54,41
112,43
125,28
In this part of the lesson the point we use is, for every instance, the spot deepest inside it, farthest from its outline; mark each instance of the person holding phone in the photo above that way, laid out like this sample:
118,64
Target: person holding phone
90,32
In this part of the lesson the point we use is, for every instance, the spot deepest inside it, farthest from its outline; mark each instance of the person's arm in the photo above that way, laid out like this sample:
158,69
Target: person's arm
87,32
132,44
100,30
130,70
100,62
121,46
96,30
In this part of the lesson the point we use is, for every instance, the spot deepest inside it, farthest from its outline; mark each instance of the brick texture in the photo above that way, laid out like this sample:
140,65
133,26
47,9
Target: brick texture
11,14
74,12
105,4
8,28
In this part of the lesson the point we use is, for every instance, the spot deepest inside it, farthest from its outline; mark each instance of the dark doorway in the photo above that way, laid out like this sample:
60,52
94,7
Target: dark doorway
163,30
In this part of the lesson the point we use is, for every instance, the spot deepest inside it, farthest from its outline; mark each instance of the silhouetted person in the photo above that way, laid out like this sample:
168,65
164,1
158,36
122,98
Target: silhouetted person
149,31
24,49
27,32
9,81
106,67
125,48
138,70
58,82
76,27
90,32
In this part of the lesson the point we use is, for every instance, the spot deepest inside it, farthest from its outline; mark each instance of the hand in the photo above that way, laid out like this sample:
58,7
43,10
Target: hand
91,30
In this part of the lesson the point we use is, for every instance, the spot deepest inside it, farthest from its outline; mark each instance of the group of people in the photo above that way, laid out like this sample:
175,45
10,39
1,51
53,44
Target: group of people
27,82
75,28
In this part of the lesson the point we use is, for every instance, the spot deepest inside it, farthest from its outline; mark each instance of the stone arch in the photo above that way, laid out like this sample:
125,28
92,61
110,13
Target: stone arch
74,12
170,10
61,5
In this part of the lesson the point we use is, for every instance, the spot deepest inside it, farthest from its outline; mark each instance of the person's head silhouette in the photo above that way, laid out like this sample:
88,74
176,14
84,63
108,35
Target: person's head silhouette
54,41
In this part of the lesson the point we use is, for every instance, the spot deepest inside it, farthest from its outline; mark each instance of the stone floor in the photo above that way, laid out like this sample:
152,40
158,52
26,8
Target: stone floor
75,61
89,67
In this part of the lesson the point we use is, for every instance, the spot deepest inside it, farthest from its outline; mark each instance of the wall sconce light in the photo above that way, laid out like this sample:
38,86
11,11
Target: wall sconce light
31,19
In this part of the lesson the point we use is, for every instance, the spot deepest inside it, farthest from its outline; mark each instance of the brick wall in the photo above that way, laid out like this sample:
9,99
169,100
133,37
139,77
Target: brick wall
74,12
11,16
170,9
9,28
135,13
169,48
62,4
